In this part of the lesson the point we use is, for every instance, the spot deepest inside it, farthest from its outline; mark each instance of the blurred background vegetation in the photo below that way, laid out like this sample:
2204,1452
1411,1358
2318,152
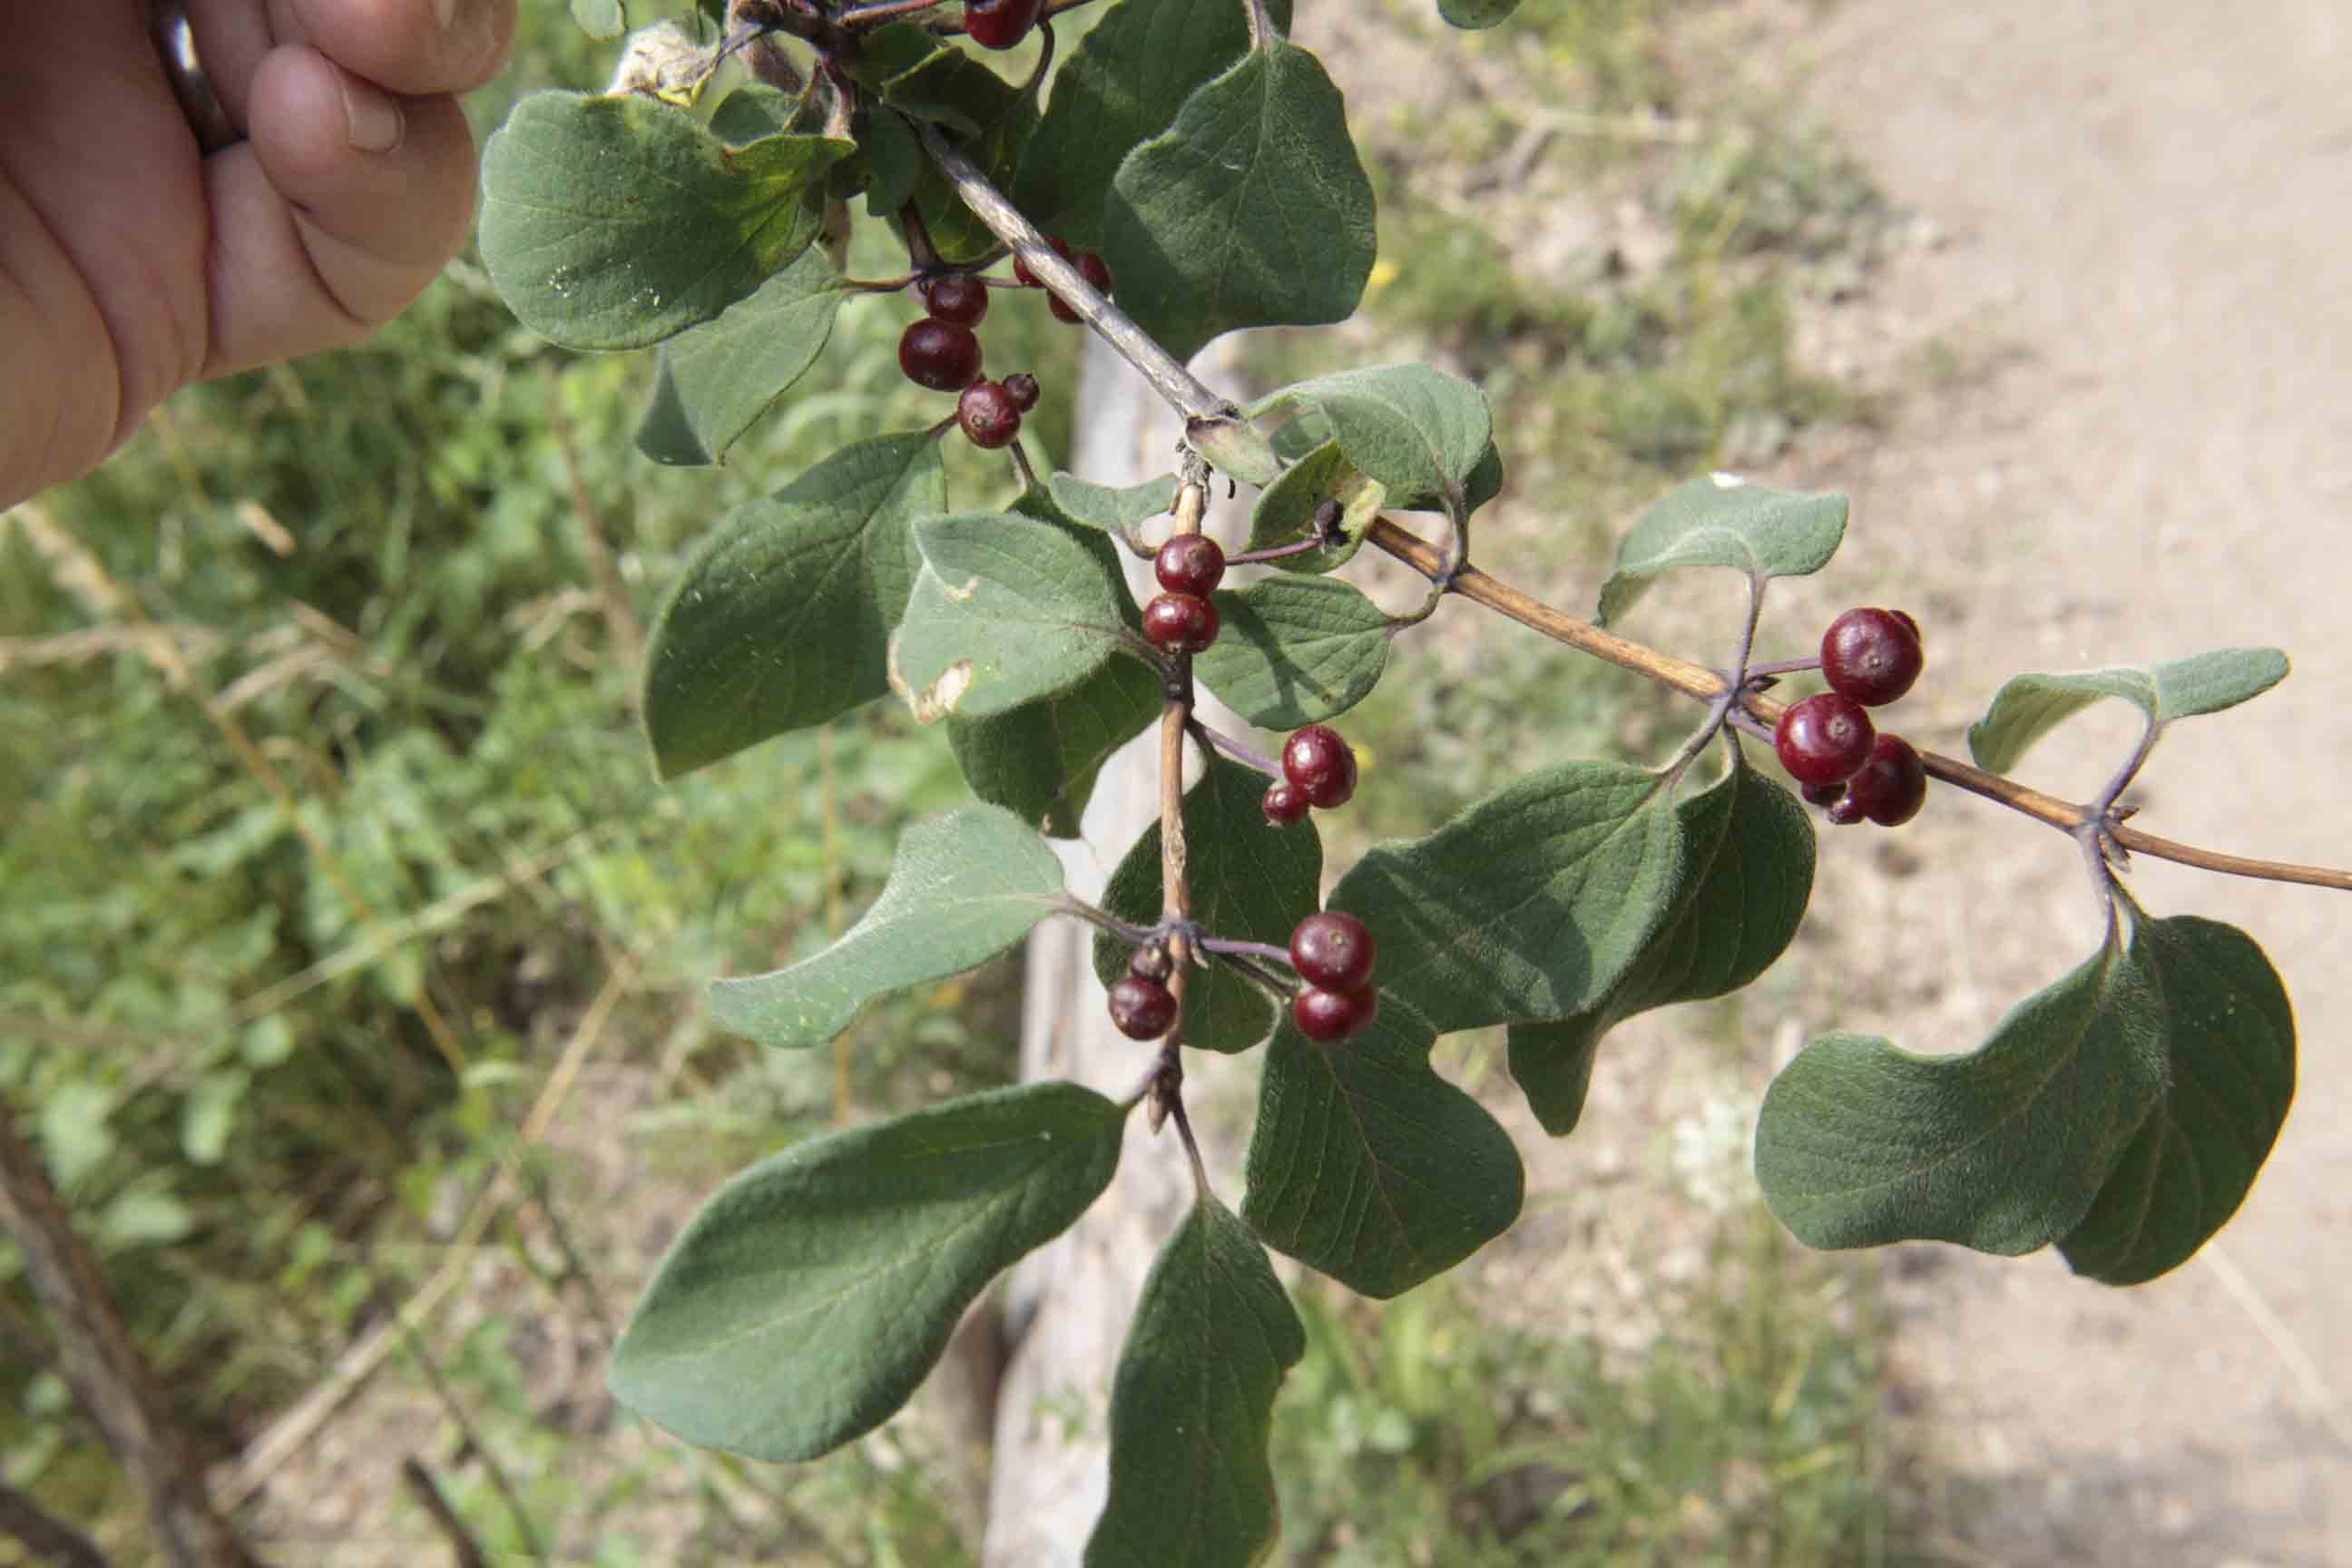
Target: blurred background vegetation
334,865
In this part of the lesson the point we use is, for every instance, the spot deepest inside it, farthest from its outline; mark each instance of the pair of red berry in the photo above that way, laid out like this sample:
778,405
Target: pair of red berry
1318,769
1184,619
942,352
1091,266
1000,24
1870,657
1141,1005
1333,954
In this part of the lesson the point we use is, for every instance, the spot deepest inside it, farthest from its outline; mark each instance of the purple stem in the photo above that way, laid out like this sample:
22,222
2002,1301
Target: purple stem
1254,949
1236,750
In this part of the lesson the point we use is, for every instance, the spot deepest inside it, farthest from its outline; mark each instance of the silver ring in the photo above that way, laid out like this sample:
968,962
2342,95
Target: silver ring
176,45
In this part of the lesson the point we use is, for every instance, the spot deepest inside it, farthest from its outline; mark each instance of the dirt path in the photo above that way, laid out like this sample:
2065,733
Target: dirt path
2121,429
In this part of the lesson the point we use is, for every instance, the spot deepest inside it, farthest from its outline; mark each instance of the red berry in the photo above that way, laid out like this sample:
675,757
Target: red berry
1328,1016
1180,623
1871,656
1908,624
1823,794
1190,563
989,417
1843,812
1000,24
1824,740
1024,390
1095,270
939,355
1321,765
1333,951
1141,1008
1893,785
1284,806
1028,280
954,298
1152,961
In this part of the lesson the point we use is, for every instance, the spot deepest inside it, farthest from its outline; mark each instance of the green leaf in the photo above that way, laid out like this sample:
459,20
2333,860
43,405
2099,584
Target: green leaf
1113,510
781,618
1471,16
2002,1150
1418,431
894,162
143,1216
717,379
1123,85
1006,610
753,111
2030,706
1190,1484
1749,873
612,223
1368,1166
210,1116
1724,521
1251,210
963,889
1284,513
1296,650
600,19
1531,904
807,1299
2230,1044
1040,761
1250,880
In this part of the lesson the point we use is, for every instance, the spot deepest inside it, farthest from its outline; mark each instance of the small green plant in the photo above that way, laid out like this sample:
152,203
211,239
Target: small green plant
1196,159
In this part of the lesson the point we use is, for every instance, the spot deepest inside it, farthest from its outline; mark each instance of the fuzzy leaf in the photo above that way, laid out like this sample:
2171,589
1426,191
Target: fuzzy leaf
2003,1149
2029,706
1473,14
2230,1041
1723,521
1006,610
1749,872
1368,1166
717,379
614,222
1251,210
1111,509
806,1299
1250,880
1296,650
1417,431
1125,82
1190,1484
1531,904
963,889
1039,760
1284,513
781,618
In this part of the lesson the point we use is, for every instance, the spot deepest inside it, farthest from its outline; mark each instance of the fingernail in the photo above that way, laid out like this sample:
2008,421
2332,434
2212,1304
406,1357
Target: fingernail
373,117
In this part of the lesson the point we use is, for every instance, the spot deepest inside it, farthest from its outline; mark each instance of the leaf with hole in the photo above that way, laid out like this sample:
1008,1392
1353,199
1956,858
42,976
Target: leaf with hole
1531,904
1190,1483
2029,706
1123,84
2003,1149
809,1295
963,889
1748,873
715,380
1296,650
1367,1165
1723,521
1250,880
1039,760
1251,210
781,618
614,222
1005,610
1422,434
2229,1035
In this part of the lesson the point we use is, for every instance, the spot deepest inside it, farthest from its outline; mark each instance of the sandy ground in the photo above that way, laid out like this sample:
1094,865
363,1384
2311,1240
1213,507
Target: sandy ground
2119,430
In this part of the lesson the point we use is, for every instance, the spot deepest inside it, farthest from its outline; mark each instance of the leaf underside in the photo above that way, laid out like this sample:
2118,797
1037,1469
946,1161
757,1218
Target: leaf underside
1723,521
2029,706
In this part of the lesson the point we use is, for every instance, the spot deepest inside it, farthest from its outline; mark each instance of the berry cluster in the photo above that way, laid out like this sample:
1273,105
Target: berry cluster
1318,769
1184,619
942,349
1870,657
1333,954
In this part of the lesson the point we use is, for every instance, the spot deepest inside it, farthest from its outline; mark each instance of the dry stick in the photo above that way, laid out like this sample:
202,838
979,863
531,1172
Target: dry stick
265,1454
420,1483
110,1379
1176,889
49,1538
1202,406
612,592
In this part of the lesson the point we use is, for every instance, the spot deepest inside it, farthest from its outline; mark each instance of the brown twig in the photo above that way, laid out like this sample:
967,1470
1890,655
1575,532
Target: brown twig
445,1518
1175,886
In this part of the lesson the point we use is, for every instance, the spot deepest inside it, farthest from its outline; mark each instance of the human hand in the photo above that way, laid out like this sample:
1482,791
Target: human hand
132,264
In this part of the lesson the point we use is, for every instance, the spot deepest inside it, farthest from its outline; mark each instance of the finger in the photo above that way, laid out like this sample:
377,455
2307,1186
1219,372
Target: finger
343,205
418,47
